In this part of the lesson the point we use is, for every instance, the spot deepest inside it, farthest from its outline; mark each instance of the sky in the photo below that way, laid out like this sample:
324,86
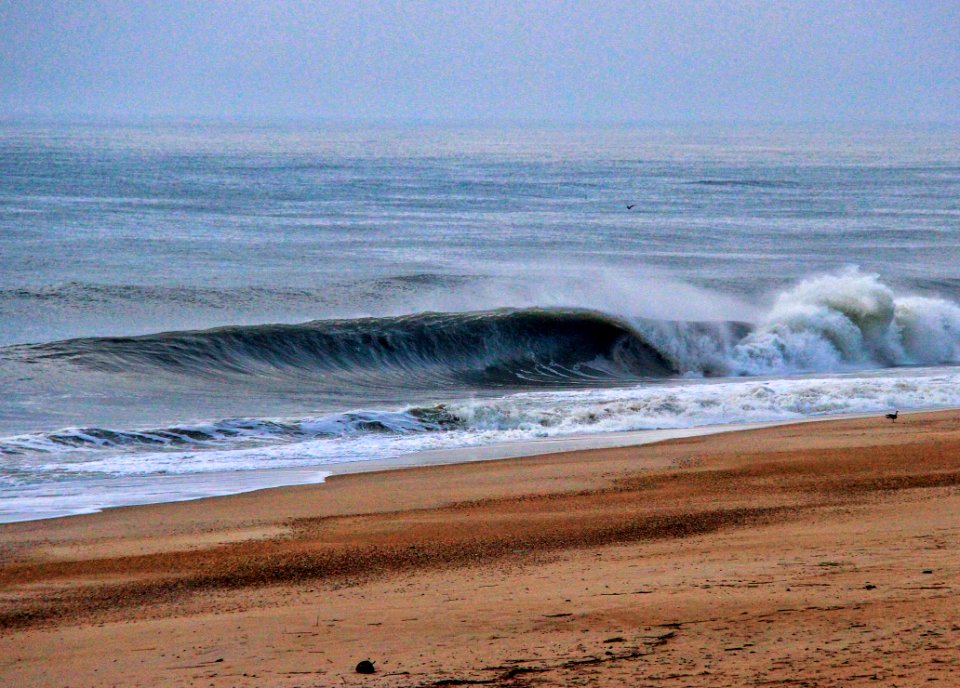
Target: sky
544,61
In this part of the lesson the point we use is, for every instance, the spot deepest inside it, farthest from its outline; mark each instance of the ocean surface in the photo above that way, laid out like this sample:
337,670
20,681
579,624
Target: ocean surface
180,303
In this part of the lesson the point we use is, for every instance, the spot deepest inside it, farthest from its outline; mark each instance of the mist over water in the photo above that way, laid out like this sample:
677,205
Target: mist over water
205,298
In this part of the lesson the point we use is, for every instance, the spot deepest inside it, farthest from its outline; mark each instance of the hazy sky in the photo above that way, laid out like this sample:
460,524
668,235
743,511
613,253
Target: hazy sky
600,60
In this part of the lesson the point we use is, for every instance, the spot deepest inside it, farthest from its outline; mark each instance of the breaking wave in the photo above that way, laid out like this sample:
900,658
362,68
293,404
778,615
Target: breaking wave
831,323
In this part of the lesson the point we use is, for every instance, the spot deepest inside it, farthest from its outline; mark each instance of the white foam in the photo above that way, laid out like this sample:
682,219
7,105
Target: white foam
830,323
50,500
527,416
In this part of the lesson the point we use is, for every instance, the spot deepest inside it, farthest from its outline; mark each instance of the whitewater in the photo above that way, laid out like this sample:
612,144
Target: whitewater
237,301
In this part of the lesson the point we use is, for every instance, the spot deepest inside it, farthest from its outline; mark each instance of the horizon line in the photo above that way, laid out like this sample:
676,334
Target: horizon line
80,118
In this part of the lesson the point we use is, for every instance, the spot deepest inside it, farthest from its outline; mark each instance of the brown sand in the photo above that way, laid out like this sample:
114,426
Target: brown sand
810,555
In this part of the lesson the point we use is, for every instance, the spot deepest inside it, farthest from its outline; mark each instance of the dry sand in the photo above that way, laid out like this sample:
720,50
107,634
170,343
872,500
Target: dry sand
809,555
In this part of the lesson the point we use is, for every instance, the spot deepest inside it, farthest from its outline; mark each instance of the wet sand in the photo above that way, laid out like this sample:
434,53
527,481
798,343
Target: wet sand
813,554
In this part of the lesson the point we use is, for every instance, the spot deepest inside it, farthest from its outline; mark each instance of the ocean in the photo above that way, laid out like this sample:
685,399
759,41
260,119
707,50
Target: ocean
183,303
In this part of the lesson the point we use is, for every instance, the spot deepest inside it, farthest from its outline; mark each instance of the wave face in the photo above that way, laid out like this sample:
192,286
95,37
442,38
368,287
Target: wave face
485,349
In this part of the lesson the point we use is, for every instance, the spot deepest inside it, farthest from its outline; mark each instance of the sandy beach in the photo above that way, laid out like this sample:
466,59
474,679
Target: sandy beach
814,554
427,344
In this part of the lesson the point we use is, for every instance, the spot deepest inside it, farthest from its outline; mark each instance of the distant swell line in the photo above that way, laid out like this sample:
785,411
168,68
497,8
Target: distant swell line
750,183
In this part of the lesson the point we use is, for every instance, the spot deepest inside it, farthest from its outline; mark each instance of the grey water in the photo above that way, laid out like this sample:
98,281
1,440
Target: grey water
196,297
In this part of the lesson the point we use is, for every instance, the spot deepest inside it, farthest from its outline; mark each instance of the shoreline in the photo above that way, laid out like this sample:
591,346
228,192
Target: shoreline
96,495
819,554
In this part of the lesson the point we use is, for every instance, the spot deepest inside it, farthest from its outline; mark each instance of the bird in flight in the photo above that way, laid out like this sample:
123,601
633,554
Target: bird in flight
630,206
